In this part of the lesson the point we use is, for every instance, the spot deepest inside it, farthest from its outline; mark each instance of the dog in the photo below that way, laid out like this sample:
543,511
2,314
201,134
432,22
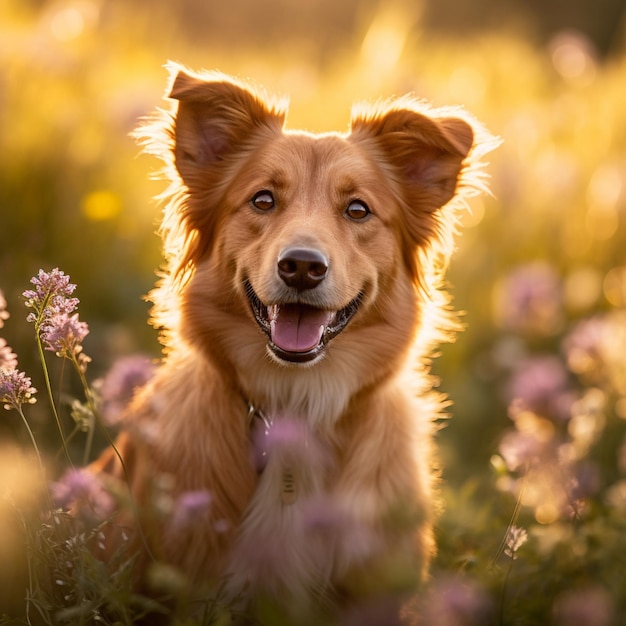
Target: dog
300,304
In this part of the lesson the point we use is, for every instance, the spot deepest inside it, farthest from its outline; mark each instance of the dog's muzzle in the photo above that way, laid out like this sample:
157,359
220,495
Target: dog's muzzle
298,332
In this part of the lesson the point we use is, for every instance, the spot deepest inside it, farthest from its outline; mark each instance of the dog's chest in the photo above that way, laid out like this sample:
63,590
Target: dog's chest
288,539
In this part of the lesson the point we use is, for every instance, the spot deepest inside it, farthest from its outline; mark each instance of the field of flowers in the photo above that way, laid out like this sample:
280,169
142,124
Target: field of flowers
534,453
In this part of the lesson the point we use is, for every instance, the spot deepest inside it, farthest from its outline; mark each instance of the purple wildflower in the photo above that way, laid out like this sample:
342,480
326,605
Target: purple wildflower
8,359
595,351
51,296
530,300
81,492
64,334
583,346
15,389
4,314
584,607
521,451
120,383
584,482
455,601
287,438
540,384
191,507
52,304
515,538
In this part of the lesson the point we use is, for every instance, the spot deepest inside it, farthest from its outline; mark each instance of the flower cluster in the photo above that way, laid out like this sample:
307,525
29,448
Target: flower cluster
515,538
560,403
8,359
529,300
64,334
80,492
51,296
15,386
117,388
56,324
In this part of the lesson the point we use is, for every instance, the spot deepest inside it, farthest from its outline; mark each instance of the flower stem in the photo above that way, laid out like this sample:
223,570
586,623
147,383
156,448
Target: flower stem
92,407
44,366
503,592
97,420
33,441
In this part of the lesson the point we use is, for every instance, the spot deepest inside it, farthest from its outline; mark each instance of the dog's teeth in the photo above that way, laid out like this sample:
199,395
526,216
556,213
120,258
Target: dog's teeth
272,312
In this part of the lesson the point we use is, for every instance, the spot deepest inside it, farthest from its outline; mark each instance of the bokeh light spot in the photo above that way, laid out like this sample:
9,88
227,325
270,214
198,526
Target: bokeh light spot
70,20
67,24
101,205
546,513
467,84
582,288
603,195
384,42
572,57
615,286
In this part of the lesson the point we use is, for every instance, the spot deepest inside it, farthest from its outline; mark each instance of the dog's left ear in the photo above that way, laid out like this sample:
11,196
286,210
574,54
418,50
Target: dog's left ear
217,119
427,153
217,115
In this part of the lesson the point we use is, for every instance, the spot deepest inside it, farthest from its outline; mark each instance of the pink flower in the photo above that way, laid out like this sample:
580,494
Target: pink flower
530,300
584,607
521,451
540,384
51,295
191,507
516,537
15,388
63,334
455,601
52,304
120,383
285,437
82,493
8,359
4,314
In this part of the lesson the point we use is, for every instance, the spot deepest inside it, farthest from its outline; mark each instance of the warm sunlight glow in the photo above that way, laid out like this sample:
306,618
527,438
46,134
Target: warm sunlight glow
572,57
101,205
67,24
385,39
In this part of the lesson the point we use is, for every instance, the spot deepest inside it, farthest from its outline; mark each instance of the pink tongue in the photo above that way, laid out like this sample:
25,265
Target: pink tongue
299,328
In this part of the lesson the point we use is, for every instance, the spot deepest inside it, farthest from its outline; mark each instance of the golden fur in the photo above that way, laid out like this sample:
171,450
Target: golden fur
350,425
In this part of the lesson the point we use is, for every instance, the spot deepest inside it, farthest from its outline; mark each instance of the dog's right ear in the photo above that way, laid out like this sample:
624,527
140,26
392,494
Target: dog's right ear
216,116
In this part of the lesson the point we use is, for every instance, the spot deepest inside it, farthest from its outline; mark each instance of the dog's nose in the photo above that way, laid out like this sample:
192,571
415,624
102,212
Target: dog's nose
302,268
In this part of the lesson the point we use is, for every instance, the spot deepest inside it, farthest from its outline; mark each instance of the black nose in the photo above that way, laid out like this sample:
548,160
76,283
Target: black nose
302,268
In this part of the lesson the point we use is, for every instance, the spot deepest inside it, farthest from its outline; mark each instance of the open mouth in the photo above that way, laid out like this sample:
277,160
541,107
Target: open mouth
299,332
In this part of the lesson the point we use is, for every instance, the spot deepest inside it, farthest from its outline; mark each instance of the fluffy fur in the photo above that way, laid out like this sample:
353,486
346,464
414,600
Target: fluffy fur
338,508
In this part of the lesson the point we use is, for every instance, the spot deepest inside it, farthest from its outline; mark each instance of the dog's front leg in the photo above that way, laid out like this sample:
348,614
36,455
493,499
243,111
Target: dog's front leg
385,492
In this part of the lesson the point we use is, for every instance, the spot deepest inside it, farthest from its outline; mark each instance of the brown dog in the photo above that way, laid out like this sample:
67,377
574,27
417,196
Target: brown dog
299,307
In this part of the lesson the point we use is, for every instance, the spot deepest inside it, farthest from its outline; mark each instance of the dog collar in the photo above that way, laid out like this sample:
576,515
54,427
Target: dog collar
260,426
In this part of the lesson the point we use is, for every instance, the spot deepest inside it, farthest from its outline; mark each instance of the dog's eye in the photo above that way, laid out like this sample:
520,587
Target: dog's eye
263,200
357,210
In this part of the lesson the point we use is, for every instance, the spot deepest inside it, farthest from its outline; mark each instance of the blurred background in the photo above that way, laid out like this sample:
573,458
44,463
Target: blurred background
538,378
547,250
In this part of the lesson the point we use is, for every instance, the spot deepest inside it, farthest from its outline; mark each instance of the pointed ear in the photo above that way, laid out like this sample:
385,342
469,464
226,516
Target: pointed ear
426,152
216,116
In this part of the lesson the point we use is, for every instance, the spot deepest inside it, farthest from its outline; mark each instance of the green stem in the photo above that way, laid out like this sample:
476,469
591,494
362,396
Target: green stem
97,419
44,366
92,407
504,585
34,442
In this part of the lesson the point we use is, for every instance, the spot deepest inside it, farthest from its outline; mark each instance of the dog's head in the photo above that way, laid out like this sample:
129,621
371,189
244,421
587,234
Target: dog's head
290,241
